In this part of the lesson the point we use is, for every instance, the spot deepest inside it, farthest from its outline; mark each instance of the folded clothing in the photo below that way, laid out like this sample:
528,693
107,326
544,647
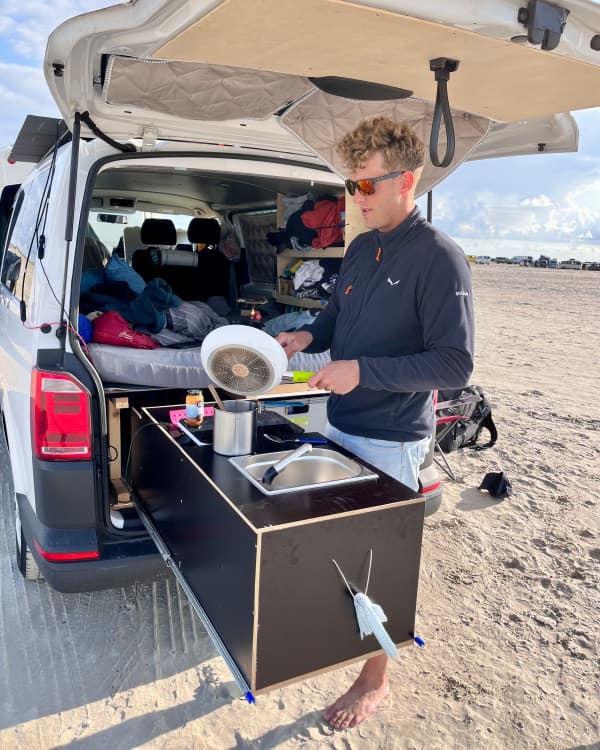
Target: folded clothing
115,271
308,274
189,323
146,311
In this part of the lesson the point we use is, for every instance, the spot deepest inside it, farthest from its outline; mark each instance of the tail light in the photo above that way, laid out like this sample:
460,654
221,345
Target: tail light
61,422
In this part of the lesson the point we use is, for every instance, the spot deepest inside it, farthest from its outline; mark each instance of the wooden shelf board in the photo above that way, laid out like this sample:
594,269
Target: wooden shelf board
289,299
315,252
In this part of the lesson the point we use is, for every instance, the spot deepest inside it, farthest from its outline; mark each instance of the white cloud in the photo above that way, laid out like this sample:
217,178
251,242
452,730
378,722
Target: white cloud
28,23
574,213
6,25
23,91
509,219
444,207
541,200
24,29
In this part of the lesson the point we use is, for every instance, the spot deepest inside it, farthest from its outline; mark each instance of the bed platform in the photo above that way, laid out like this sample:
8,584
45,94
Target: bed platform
167,367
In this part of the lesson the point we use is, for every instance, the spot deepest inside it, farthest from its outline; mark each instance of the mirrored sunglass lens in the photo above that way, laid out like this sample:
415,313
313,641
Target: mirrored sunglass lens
365,187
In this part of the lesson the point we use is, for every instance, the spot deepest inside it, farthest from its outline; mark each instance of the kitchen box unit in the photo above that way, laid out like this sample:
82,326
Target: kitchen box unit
259,568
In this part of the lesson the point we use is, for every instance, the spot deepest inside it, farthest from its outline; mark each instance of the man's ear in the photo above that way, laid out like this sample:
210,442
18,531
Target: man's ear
410,181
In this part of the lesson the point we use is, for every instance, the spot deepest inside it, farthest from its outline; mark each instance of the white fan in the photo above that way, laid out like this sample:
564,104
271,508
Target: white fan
243,360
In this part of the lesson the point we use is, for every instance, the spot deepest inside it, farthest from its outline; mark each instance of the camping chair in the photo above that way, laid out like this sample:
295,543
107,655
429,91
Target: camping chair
444,422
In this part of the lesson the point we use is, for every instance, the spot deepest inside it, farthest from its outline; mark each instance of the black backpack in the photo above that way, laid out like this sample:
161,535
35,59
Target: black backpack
478,416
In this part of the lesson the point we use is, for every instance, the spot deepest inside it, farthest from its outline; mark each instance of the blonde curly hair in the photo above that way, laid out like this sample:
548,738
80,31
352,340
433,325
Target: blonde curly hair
400,146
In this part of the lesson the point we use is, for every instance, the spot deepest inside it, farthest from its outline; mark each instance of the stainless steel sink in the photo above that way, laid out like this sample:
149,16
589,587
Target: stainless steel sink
321,467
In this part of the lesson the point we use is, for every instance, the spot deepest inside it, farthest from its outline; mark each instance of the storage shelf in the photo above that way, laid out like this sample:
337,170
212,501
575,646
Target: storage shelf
286,257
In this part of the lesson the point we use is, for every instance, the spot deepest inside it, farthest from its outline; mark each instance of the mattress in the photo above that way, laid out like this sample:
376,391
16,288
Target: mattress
170,368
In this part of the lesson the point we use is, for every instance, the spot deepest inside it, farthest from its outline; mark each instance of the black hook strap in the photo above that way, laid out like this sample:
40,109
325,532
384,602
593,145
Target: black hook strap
124,147
442,67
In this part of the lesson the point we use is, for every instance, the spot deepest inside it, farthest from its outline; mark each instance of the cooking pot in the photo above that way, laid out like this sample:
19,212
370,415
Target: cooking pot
234,428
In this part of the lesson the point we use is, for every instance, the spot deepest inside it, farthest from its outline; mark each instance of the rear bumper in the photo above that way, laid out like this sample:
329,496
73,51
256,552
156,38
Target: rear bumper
102,573
119,564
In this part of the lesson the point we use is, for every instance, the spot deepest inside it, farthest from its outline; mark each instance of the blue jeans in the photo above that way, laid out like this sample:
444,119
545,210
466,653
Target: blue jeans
400,460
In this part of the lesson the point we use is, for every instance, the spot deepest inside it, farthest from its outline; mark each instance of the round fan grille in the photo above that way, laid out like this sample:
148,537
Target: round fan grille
240,370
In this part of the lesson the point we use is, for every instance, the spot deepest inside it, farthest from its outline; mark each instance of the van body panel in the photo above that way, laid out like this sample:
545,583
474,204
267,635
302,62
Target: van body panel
120,564
540,135
65,493
16,344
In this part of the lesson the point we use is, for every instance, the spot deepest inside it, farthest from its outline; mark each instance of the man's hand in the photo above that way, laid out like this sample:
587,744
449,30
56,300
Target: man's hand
294,342
341,376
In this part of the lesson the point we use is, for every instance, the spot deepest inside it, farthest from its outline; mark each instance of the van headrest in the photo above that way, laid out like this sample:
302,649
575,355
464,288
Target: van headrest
204,231
132,241
158,232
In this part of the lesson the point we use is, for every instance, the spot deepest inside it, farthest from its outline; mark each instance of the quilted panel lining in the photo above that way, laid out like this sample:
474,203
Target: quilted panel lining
196,91
260,253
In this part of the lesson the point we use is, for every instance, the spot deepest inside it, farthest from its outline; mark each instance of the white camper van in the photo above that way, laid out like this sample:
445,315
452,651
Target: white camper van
180,132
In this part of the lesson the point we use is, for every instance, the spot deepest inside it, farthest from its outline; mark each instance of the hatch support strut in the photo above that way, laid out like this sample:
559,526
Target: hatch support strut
61,330
73,177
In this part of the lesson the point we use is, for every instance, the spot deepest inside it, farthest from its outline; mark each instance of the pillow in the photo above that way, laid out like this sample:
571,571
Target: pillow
118,270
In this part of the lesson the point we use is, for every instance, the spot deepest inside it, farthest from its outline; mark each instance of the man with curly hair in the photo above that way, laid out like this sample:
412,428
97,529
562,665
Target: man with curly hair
399,325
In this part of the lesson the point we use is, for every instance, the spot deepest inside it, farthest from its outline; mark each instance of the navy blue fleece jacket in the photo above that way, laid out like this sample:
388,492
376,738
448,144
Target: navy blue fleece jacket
402,306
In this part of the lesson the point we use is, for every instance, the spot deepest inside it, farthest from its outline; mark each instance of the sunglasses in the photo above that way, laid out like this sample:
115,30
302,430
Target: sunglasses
367,187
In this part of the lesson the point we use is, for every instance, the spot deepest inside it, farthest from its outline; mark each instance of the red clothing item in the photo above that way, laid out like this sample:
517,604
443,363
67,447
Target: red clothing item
326,220
112,328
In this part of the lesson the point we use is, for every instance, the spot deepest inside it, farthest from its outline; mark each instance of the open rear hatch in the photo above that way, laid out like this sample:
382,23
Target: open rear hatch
168,70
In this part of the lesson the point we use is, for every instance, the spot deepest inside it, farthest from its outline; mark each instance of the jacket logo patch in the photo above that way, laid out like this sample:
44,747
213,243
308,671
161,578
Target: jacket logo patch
392,283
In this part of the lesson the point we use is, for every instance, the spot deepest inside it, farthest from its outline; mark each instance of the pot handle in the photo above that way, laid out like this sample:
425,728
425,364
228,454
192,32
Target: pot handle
274,470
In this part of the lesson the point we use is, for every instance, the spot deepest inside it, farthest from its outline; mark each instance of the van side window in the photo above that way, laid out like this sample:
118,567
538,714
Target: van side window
20,254
11,262
7,210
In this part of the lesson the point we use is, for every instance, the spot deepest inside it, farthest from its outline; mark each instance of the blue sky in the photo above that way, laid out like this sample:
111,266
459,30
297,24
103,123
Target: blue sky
517,206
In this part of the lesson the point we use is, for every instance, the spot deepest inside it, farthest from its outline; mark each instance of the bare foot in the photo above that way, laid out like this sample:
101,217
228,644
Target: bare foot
358,703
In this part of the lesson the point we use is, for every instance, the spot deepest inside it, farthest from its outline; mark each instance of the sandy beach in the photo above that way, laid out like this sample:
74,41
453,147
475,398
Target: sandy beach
508,599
